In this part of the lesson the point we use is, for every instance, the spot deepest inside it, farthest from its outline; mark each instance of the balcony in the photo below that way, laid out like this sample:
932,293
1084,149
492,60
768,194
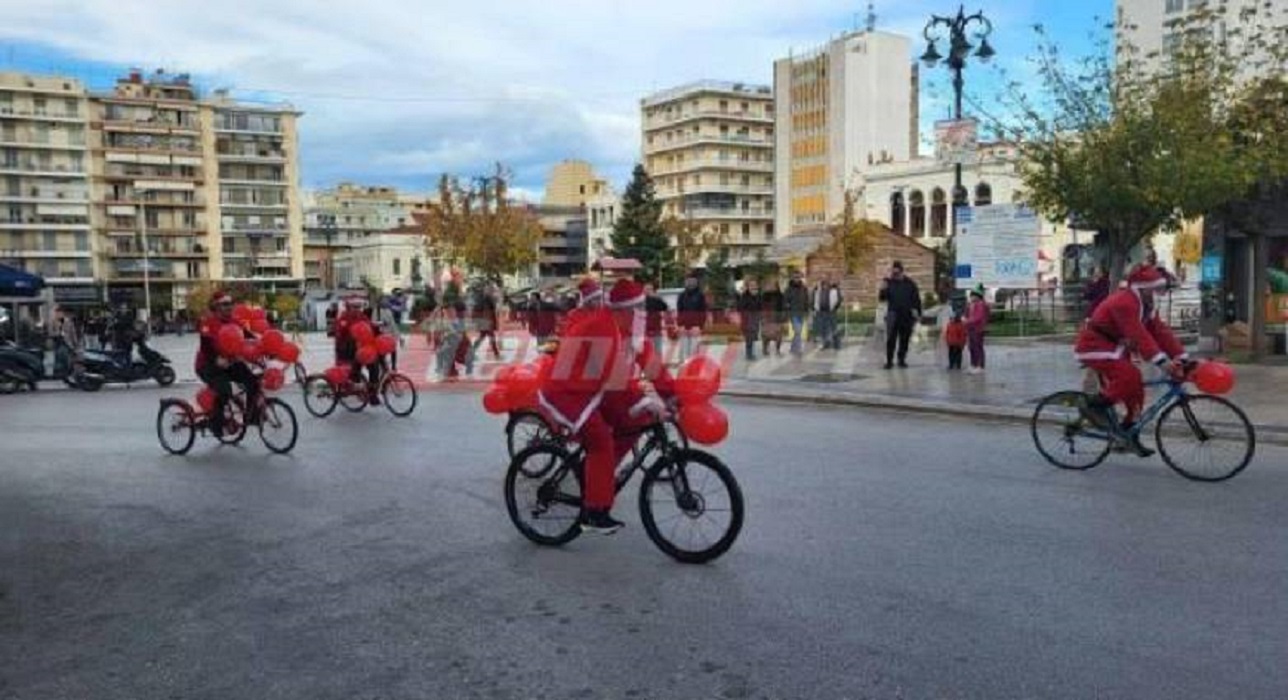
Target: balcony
269,181
151,203
255,156
43,145
741,115
46,197
663,145
730,164
42,254
117,230
42,170
31,224
689,190
43,115
150,125
254,205
728,213
130,253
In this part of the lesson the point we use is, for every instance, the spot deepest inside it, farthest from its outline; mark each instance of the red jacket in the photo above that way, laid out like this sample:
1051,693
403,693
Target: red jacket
208,344
1119,327
345,346
955,334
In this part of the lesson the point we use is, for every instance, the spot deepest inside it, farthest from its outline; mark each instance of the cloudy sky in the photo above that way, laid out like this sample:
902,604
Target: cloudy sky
398,91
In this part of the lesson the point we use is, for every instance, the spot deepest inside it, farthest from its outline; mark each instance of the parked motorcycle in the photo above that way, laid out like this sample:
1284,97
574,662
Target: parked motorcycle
99,368
20,369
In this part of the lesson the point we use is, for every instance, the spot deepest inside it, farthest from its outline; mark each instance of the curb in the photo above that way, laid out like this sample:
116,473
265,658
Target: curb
1266,434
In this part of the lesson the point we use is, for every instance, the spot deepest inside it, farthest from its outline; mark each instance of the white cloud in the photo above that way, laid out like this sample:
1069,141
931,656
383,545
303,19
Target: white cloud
400,90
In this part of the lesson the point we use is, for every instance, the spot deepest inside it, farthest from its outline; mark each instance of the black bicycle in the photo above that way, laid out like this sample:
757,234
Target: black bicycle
689,501
528,427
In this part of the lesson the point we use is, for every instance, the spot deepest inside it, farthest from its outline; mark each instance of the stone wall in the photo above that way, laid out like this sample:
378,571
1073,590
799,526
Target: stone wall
860,288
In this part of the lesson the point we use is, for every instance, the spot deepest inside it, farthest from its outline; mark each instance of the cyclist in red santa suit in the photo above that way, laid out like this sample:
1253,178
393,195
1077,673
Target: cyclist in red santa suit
593,389
1126,324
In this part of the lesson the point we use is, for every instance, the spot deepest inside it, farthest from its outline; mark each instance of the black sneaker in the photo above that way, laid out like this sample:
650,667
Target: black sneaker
1131,441
888,365
1099,413
903,364
599,522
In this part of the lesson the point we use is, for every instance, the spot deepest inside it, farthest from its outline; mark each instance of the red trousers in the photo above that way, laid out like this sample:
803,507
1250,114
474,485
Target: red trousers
1121,382
607,436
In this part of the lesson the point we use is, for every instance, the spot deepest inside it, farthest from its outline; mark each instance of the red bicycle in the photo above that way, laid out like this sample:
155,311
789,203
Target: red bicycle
179,422
396,391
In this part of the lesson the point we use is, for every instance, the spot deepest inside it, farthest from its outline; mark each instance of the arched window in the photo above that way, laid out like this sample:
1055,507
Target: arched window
917,212
898,216
983,194
938,212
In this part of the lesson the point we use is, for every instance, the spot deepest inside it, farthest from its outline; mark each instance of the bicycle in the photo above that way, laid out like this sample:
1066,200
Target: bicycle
178,423
396,391
527,427
1080,440
546,506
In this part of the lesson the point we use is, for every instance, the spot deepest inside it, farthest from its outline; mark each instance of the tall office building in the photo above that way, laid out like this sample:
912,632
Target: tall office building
44,181
709,147
1156,28
841,109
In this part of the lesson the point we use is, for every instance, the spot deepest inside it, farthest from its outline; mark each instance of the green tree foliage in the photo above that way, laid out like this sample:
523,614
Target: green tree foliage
853,238
478,226
719,279
639,232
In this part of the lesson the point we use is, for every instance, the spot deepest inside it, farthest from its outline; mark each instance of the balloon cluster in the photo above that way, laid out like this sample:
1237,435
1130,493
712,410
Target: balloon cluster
1214,378
371,347
514,388
264,343
696,384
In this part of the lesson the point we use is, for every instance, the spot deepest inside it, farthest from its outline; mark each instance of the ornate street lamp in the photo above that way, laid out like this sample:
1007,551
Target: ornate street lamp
958,32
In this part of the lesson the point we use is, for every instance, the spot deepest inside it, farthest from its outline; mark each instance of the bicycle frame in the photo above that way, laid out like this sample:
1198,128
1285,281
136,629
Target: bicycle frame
658,441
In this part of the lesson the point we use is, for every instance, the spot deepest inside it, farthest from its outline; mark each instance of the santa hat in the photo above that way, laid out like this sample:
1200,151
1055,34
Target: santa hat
589,290
1146,277
220,297
626,294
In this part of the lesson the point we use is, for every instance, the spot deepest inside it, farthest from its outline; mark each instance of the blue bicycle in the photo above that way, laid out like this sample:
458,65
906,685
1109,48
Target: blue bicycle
1200,436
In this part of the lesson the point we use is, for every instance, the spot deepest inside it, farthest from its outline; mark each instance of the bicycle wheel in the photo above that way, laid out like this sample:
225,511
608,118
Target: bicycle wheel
1205,438
543,495
319,396
1065,436
399,394
277,426
234,421
691,506
301,376
175,427
525,429
353,397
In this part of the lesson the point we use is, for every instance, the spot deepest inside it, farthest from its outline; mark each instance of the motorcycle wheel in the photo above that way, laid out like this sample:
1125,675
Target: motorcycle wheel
89,382
164,375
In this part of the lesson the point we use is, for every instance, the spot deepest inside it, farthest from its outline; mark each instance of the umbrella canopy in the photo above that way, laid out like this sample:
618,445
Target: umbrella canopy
16,283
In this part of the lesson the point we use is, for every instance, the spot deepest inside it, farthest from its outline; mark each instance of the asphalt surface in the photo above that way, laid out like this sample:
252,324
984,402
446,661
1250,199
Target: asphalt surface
884,556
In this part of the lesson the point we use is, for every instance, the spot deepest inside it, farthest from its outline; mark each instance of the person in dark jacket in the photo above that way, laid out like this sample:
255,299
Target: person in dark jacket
487,320
796,299
772,307
691,315
749,315
826,303
655,312
1096,290
903,311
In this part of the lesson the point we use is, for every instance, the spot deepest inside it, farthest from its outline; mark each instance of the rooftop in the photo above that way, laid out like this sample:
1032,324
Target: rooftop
709,86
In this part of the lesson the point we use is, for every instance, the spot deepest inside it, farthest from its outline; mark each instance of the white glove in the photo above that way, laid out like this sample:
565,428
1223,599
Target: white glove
651,405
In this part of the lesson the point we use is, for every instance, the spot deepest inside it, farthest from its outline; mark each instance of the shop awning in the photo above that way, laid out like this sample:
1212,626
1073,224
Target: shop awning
16,283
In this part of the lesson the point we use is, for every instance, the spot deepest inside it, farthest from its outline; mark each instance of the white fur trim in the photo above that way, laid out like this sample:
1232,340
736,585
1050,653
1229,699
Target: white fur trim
559,417
1155,284
1159,359
627,303
1094,355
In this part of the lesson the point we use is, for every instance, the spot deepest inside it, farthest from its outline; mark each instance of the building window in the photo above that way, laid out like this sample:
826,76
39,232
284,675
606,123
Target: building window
746,232
397,267
898,217
938,213
917,207
229,245
1172,6
82,241
983,194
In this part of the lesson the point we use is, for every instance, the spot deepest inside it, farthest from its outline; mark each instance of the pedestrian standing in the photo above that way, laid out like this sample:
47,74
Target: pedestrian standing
772,319
976,329
691,314
749,315
903,311
796,300
655,312
389,324
955,338
487,320
1096,290
826,303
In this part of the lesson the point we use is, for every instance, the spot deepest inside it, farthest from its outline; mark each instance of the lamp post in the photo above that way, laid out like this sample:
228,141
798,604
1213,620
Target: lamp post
959,30
328,230
147,261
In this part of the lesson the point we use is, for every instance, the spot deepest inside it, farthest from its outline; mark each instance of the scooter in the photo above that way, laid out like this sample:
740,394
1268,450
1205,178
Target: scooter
99,368
20,369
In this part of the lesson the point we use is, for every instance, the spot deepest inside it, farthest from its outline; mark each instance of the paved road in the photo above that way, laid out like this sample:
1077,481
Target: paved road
885,556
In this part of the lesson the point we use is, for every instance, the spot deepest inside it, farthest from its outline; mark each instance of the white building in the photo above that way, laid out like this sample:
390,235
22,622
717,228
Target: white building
841,109
386,260
1155,28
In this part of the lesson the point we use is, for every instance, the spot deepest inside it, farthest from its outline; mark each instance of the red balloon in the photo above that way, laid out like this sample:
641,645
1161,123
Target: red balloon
230,340
698,380
386,344
362,333
242,313
274,378
1214,378
545,366
290,353
524,380
337,375
272,342
367,355
258,312
259,326
251,351
704,423
206,399
496,401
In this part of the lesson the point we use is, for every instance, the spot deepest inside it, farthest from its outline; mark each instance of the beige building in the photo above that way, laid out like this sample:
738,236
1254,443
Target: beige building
841,109
209,184
357,233
44,182
709,147
1156,28
573,183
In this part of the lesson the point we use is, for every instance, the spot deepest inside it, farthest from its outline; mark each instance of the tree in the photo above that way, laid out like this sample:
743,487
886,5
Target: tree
1128,145
852,238
287,306
719,279
638,233
760,268
199,299
478,226
691,243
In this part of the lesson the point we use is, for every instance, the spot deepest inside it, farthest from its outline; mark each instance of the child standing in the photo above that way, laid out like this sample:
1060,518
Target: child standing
955,337
976,327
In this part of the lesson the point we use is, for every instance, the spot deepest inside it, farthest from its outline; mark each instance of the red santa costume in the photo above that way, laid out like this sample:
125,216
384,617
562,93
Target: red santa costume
1123,325
593,388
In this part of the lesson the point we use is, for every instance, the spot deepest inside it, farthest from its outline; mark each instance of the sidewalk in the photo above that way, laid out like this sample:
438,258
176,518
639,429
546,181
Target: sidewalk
1020,373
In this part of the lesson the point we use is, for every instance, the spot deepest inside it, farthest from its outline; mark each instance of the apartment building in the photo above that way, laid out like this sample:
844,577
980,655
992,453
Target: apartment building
1153,29
44,182
841,108
360,232
709,147
574,183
